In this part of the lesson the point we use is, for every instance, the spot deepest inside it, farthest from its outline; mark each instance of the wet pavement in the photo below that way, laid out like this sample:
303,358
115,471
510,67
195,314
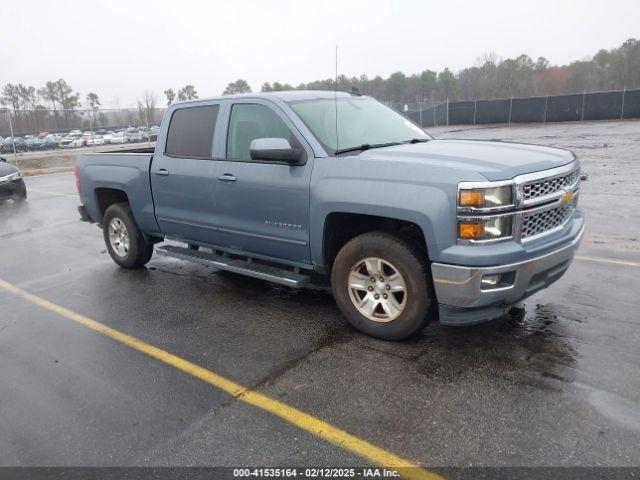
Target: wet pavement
555,383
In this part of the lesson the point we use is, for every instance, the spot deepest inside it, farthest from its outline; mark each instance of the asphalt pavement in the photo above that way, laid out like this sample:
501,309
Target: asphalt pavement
555,383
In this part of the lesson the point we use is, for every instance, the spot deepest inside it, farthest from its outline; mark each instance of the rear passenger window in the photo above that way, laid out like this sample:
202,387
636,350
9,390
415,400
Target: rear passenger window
191,132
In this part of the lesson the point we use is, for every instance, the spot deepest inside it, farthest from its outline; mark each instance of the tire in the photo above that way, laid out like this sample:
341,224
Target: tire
123,238
21,195
410,303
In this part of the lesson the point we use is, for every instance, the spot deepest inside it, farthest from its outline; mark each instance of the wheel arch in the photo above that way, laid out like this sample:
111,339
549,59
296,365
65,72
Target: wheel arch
342,226
105,197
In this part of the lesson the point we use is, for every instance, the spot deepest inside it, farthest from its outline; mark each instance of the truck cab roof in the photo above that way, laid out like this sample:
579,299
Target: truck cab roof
285,95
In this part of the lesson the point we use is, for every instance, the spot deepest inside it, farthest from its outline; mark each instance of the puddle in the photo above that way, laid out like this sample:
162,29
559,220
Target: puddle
529,345
613,407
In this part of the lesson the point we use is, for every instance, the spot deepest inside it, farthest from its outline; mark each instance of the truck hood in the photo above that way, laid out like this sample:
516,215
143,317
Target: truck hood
494,160
7,169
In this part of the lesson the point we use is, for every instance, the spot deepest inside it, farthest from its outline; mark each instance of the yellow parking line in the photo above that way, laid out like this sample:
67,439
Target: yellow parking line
607,260
287,413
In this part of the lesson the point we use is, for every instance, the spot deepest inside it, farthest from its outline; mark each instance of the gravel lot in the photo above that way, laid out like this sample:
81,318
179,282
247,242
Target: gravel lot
555,383
60,160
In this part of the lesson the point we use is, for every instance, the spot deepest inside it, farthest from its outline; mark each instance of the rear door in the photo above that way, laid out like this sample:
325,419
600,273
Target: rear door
182,174
263,206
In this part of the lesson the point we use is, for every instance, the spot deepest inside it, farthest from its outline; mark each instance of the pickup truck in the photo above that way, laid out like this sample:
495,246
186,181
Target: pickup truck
335,188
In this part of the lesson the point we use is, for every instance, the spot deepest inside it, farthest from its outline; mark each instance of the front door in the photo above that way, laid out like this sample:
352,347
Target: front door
182,175
263,206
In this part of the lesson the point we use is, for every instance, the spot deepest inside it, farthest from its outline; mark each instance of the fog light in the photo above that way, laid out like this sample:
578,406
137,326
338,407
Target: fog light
490,281
497,280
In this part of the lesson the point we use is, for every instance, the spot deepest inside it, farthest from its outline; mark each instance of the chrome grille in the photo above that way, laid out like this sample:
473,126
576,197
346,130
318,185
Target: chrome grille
546,220
549,186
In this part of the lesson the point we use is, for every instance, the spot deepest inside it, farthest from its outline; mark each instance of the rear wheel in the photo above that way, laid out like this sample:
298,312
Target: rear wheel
123,238
382,286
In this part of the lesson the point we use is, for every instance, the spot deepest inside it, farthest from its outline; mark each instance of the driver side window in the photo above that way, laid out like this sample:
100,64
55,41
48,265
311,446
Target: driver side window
250,121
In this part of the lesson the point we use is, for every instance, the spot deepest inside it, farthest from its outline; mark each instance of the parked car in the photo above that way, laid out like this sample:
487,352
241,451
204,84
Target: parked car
12,185
51,142
72,142
19,143
405,228
34,143
137,137
119,138
153,133
95,140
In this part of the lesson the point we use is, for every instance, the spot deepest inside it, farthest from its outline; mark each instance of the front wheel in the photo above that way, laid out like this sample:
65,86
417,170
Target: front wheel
123,238
21,194
382,286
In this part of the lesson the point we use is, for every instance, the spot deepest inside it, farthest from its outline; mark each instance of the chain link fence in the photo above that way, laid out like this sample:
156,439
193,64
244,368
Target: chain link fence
611,105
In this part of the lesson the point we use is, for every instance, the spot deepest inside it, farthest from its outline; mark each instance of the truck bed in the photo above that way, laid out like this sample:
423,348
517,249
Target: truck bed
133,150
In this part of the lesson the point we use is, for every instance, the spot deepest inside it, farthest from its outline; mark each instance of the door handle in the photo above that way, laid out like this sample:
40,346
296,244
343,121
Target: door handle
163,172
227,177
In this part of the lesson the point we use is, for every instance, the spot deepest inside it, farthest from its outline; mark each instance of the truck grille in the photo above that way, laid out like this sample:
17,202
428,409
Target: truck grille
546,220
549,186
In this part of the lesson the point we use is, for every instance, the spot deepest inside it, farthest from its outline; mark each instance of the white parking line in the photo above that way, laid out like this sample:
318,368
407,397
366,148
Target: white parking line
607,260
47,192
50,174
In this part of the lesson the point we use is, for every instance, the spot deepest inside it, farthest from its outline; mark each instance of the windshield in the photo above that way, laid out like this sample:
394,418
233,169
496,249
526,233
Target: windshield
361,121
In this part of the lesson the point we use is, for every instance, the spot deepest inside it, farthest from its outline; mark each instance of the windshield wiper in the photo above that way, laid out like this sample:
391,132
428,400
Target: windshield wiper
366,146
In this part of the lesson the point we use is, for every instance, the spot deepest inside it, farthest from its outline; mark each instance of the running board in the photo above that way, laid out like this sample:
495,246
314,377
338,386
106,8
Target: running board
243,267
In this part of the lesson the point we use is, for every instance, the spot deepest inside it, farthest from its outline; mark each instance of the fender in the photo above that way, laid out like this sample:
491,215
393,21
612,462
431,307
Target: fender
423,205
132,179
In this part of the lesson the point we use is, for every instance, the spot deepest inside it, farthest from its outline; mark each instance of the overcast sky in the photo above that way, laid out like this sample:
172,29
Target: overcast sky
118,49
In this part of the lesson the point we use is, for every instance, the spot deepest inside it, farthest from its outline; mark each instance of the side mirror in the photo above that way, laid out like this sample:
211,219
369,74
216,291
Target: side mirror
275,149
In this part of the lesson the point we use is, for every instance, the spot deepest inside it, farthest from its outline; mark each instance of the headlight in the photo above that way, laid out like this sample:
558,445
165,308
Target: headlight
478,229
485,199
11,177
480,207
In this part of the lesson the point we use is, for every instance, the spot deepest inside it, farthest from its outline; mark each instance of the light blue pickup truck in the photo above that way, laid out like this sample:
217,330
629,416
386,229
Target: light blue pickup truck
321,187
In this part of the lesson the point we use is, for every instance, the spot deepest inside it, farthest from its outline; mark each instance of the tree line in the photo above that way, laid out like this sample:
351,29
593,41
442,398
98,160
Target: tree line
490,78
59,95
57,105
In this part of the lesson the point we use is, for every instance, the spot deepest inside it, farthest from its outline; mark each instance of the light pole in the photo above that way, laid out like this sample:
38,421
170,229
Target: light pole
13,139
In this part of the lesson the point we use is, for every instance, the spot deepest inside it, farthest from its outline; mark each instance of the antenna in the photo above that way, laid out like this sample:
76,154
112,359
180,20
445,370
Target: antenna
335,98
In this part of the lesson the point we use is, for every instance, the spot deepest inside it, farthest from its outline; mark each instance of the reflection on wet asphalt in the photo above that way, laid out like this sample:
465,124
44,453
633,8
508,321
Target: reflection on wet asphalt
555,382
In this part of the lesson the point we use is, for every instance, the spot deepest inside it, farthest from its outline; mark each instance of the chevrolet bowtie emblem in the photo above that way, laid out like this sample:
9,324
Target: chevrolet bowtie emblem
567,198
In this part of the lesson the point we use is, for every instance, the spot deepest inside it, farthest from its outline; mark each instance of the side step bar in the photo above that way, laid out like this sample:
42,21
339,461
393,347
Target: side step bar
244,267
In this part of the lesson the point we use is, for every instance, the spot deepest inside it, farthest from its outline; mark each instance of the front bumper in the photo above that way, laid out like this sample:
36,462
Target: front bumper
462,299
10,189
